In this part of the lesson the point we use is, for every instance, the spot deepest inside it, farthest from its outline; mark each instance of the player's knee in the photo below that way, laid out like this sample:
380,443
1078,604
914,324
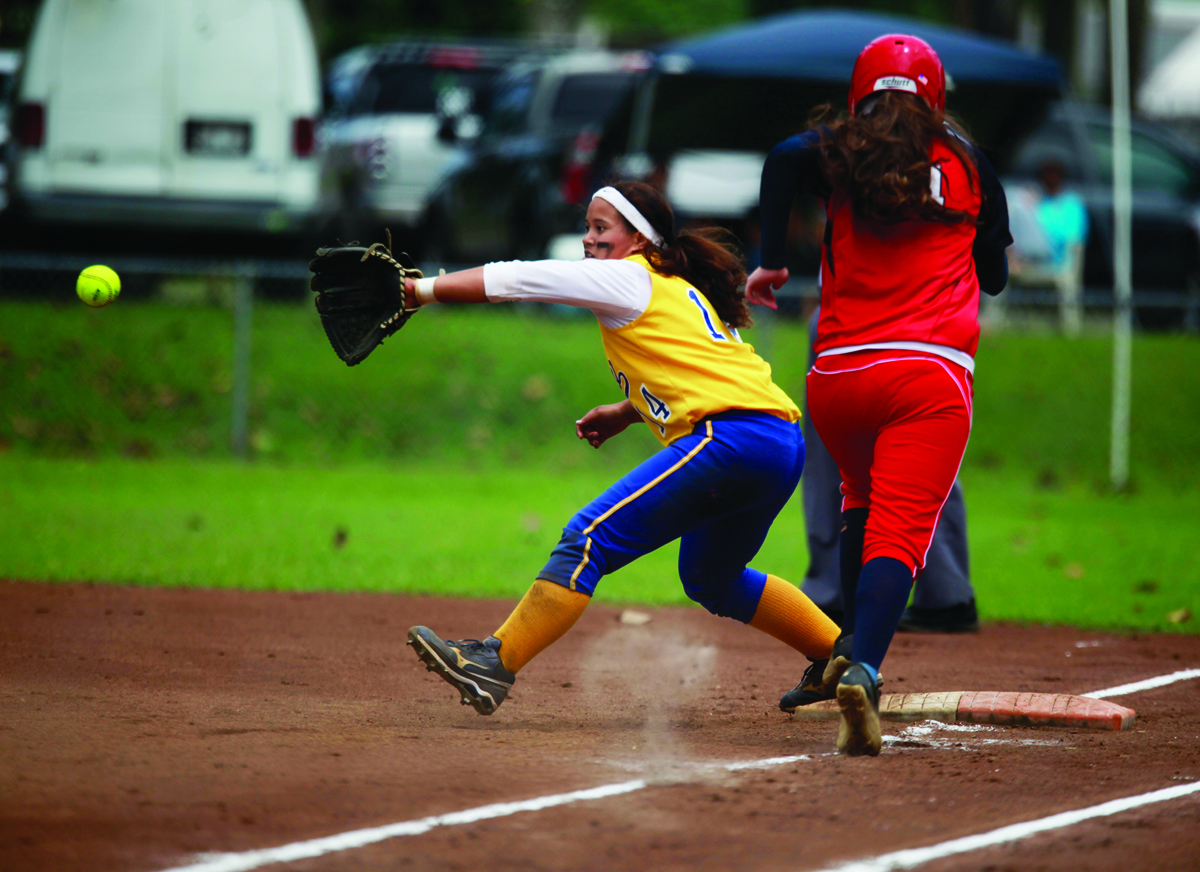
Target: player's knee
725,598
721,604
571,565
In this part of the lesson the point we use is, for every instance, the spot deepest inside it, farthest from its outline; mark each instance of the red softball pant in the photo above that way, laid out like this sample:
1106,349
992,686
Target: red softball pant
896,424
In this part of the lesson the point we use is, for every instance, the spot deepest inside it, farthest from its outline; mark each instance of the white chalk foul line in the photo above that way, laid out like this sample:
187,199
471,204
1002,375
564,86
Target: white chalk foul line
1149,683
359,838
913,857
766,763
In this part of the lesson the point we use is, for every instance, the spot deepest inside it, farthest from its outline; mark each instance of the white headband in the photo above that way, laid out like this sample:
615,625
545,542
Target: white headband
632,215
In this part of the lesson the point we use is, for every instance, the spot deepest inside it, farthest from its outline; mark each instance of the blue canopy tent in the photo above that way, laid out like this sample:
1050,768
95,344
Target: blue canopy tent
747,87
822,45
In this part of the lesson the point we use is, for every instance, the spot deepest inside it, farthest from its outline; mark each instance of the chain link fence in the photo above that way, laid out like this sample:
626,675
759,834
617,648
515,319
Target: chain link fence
218,358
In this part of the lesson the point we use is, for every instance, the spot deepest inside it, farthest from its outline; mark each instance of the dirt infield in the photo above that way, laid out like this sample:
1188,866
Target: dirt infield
142,728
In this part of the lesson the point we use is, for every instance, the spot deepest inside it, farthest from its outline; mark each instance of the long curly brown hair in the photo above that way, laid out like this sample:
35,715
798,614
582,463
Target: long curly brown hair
880,157
707,257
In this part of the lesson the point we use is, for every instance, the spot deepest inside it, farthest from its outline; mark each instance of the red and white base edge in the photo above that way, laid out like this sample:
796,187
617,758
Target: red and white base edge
992,707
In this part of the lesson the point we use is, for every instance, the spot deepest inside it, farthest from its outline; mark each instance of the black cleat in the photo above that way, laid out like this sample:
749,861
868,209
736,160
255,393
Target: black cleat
858,698
810,689
820,679
473,667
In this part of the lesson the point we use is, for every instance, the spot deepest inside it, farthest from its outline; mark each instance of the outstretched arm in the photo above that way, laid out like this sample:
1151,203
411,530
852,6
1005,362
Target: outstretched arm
464,286
617,291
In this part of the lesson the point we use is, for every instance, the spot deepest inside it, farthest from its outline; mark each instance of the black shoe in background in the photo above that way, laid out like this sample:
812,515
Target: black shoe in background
962,618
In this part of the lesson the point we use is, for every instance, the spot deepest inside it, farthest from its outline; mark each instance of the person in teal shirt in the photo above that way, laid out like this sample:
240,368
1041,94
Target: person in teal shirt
1062,215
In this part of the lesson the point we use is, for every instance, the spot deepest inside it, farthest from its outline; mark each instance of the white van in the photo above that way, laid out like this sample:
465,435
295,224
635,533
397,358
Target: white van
10,62
191,114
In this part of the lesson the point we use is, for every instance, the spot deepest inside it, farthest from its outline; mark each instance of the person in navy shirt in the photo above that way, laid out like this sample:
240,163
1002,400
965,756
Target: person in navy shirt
916,227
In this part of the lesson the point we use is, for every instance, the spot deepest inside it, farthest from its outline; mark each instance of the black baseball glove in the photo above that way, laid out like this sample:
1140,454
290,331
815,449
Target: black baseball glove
360,296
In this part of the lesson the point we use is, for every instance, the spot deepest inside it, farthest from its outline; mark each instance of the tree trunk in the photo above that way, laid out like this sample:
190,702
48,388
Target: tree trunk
1060,30
993,17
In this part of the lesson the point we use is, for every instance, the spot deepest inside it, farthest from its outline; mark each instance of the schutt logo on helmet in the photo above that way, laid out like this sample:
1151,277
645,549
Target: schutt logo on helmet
895,83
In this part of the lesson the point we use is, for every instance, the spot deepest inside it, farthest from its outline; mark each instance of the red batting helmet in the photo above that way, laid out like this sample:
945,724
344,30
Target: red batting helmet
897,62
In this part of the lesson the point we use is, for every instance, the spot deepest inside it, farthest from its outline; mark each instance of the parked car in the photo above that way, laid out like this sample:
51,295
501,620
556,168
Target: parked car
393,117
1166,197
526,176
706,186
189,114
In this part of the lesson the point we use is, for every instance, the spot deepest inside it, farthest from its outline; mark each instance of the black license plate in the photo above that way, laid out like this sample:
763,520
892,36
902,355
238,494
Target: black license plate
217,138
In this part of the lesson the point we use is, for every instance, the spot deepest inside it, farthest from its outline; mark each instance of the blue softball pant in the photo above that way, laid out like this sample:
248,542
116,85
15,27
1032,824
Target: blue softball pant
716,490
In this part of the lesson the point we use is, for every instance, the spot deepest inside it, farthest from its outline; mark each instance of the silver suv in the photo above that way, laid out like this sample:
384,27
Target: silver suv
393,115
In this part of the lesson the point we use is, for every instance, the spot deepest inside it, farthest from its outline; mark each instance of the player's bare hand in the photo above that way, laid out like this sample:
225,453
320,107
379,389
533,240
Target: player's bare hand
762,284
604,422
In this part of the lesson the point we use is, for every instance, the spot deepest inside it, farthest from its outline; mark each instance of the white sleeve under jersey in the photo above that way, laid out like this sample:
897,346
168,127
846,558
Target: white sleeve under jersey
617,291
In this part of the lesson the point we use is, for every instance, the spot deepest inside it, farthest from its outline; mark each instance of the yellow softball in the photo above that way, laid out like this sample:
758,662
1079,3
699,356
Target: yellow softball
98,286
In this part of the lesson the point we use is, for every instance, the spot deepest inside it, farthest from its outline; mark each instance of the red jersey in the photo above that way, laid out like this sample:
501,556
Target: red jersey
908,282
916,282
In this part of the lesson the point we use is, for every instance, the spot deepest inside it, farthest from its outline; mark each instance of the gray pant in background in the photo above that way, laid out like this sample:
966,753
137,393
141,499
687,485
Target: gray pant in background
946,580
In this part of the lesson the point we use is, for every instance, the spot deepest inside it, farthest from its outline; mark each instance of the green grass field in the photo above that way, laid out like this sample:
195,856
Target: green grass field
447,463
1065,556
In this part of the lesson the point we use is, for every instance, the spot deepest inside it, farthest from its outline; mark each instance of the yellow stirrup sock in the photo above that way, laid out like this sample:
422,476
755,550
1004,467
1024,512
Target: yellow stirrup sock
540,619
786,613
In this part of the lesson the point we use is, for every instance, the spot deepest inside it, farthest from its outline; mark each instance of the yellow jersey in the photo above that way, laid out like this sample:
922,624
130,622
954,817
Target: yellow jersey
678,362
